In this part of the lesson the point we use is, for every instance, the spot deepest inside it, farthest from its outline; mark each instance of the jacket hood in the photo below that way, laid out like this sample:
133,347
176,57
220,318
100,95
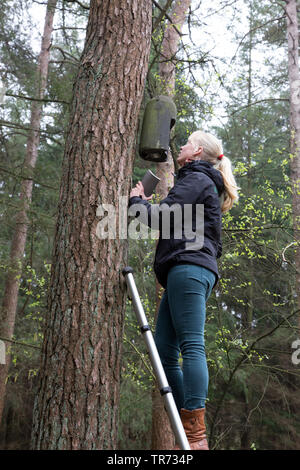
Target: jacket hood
203,167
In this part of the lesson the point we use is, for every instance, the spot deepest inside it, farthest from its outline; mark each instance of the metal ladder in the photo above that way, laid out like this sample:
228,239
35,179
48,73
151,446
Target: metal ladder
159,372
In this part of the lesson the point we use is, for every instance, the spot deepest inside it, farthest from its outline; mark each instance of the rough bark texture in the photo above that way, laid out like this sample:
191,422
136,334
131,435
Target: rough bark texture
294,79
170,45
162,434
78,396
10,298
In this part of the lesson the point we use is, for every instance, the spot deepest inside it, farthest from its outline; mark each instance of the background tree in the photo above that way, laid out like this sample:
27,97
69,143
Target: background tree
18,59
10,298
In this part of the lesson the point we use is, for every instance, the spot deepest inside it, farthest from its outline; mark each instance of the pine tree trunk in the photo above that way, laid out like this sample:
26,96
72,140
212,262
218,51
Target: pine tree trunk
78,396
162,434
294,80
11,290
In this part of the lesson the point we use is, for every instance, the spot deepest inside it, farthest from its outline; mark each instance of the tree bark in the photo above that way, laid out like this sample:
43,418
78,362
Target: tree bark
170,46
11,290
162,434
294,80
78,395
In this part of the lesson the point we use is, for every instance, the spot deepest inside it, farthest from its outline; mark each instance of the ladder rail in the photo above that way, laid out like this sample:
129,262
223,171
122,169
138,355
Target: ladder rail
159,372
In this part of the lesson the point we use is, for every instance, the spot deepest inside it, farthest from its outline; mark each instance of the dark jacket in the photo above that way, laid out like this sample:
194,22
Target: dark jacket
198,182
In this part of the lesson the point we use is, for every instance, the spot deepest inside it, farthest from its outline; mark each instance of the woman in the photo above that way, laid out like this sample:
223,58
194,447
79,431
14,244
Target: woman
189,275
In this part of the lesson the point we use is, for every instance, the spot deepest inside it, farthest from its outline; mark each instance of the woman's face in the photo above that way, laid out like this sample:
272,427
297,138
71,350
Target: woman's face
187,153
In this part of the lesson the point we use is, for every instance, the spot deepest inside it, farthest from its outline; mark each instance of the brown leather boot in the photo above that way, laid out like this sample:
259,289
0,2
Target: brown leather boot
194,426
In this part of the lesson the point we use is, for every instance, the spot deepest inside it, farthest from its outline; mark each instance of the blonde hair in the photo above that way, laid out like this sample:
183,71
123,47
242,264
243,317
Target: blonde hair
212,148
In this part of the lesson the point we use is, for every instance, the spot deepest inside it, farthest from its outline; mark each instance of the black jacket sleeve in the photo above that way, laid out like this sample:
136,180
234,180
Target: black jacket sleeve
186,191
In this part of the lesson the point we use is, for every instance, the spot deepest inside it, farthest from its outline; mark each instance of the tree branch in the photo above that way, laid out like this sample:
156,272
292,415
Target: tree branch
254,29
20,343
13,125
257,102
27,178
36,99
65,53
168,17
82,5
163,12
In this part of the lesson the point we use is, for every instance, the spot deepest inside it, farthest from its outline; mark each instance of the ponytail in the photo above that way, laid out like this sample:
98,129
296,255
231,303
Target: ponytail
231,188
213,152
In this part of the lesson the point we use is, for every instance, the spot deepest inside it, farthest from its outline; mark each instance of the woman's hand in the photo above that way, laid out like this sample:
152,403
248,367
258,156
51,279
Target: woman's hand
139,191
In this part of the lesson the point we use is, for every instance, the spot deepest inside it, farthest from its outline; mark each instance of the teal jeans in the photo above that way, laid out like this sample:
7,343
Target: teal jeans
180,328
